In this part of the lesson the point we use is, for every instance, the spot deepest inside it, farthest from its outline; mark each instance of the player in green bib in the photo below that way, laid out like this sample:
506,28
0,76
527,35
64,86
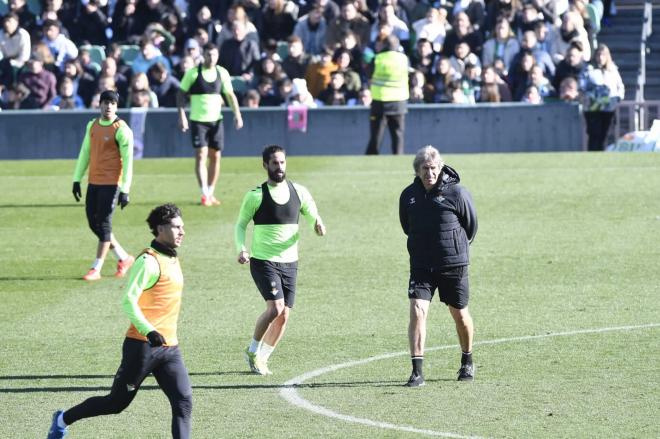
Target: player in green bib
275,209
205,85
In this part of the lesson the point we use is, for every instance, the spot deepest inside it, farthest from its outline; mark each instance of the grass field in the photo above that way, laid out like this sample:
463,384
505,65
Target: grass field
568,251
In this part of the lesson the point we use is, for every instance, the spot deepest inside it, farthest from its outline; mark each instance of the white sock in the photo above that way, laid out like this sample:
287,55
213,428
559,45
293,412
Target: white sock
266,350
254,346
60,421
119,252
205,191
98,264
211,190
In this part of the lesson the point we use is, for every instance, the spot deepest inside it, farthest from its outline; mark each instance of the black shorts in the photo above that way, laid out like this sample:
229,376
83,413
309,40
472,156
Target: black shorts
452,285
211,134
275,280
100,202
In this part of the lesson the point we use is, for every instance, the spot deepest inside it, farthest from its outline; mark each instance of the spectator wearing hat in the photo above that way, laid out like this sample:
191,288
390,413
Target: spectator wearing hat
193,49
312,30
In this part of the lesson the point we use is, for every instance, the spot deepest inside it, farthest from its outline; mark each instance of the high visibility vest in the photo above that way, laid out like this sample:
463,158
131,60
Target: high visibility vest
389,82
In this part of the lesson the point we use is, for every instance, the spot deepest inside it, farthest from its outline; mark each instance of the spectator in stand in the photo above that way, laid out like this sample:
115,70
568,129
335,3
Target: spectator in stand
352,82
41,51
268,96
471,82
318,73
66,99
148,56
520,77
311,29
300,95
39,82
26,19
387,17
58,10
493,87
140,85
503,45
11,96
572,65
349,42
186,63
84,83
433,28
15,48
125,26
475,10
270,67
444,76
192,48
543,36
527,19
569,90
203,19
349,20
91,24
295,64
419,92
542,84
236,13
424,57
109,68
329,7
60,46
462,31
456,94
279,19
285,89
251,99
571,31
500,8
141,99
151,11
463,57
173,34
603,90
336,92
164,85
532,95
542,58
240,55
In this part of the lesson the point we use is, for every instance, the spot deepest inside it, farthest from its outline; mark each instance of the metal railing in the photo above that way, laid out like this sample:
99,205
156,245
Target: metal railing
635,116
640,116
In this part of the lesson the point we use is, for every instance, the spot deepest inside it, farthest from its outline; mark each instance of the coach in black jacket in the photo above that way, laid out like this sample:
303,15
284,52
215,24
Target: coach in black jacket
439,218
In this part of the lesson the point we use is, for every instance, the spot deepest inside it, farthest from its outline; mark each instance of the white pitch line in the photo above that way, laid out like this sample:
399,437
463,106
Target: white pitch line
290,393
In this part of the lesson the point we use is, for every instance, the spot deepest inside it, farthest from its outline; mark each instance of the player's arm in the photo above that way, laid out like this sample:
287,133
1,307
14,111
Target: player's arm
124,138
83,155
309,210
403,214
228,92
467,214
143,274
182,97
249,206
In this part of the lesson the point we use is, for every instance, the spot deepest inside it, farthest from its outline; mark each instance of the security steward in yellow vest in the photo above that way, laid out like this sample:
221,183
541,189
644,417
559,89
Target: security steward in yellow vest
389,90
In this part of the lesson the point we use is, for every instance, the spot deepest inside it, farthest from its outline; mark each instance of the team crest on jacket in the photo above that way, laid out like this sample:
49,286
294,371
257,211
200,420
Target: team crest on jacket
412,200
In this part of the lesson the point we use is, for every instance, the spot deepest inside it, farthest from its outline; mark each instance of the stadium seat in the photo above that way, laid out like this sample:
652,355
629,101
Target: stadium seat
4,7
282,49
34,6
239,85
129,52
96,53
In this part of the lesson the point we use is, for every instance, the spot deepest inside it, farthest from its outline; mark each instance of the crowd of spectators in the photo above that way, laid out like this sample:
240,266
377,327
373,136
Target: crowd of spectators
312,51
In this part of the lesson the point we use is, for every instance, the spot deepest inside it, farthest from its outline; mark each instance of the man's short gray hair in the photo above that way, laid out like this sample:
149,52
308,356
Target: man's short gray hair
427,154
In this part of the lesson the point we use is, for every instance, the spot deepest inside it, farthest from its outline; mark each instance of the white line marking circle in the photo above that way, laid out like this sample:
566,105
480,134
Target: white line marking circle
290,393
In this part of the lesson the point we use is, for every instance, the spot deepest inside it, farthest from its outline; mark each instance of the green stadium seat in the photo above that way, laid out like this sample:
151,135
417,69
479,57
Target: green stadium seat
4,7
96,53
129,52
282,49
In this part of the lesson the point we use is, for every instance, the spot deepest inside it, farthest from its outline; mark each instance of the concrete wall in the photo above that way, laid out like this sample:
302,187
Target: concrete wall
336,131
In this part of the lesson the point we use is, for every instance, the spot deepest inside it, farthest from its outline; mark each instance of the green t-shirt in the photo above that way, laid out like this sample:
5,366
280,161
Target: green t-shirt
206,107
273,242
124,138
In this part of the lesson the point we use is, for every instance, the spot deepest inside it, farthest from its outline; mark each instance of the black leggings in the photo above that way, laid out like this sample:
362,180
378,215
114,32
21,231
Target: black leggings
395,125
139,359
598,125
99,206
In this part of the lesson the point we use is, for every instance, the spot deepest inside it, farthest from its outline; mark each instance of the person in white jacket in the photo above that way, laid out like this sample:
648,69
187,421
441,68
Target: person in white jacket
603,89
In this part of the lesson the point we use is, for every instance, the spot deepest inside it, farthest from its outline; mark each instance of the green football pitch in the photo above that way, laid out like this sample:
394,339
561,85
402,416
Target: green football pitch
565,294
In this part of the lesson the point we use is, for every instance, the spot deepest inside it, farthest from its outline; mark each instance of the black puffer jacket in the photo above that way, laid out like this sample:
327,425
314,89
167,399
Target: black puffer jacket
440,223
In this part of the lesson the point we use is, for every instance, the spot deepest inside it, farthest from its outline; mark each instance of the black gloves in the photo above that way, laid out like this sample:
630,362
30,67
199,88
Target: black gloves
77,193
123,200
155,339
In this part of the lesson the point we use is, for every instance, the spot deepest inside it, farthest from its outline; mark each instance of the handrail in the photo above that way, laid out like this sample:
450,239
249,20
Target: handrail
647,30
